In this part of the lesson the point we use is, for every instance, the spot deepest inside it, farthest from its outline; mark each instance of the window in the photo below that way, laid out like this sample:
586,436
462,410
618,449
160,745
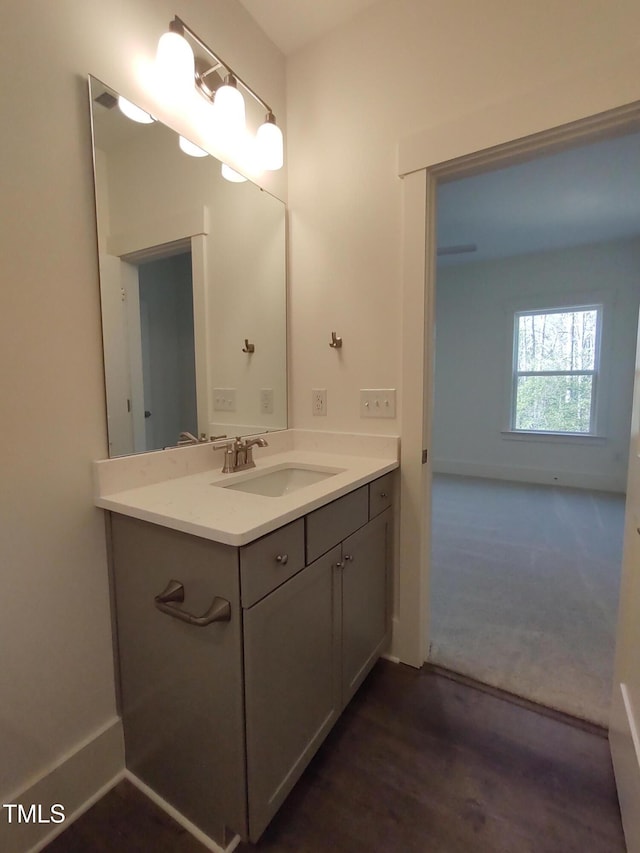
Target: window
556,362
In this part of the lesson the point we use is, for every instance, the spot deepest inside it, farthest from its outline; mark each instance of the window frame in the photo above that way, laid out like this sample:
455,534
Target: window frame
595,373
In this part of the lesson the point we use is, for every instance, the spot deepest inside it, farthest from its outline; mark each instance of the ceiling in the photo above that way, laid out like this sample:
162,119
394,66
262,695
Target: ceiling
583,195
580,196
291,24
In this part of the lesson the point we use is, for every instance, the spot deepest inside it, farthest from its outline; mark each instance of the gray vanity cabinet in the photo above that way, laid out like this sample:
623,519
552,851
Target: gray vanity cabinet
365,600
220,719
307,648
292,682
181,690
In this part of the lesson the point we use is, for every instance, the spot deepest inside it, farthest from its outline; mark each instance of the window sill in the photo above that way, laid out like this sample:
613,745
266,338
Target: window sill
552,437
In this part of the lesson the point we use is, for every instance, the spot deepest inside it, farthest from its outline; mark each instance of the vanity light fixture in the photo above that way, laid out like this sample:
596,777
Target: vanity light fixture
191,148
229,106
133,112
175,61
270,144
178,68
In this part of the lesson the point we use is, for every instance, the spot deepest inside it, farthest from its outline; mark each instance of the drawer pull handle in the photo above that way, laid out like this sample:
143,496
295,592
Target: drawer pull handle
283,559
167,600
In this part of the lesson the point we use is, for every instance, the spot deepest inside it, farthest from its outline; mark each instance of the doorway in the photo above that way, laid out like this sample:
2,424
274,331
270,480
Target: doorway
469,146
538,263
167,349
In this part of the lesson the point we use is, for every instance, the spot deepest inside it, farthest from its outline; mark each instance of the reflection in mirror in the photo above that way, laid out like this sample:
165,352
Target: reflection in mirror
193,293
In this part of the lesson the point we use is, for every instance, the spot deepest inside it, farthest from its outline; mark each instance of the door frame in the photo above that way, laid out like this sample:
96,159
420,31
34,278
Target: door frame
497,138
186,231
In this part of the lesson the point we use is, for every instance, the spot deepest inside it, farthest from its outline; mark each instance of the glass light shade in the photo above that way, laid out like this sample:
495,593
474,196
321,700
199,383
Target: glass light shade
133,112
230,174
175,63
191,148
230,111
270,145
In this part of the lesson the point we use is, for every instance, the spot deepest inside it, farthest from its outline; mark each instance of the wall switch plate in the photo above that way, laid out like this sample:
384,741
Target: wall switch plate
377,402
319,401
224,399
266,401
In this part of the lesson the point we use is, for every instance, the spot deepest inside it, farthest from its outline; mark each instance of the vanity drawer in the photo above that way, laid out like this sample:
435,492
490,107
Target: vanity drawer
268,562
380,494
334,522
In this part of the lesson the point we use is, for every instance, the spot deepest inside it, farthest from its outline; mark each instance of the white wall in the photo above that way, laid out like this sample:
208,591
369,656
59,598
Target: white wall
398,68
475,305
56,678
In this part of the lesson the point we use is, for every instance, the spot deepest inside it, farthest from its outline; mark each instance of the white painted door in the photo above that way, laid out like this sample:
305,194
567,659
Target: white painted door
624,730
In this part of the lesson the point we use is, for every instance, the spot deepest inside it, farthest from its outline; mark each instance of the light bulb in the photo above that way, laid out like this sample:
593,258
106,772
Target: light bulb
175,64
191,148
133,112
230,174
229,107
270,144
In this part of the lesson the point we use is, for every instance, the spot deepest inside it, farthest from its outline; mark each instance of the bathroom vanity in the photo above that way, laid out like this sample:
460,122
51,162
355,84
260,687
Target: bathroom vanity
232,675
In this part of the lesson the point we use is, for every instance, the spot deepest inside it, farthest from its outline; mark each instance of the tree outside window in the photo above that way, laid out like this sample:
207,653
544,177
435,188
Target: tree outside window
556,362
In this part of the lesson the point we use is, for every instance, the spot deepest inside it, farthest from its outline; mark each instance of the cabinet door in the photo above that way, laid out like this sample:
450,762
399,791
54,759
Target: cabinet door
365,600
292,683
181,685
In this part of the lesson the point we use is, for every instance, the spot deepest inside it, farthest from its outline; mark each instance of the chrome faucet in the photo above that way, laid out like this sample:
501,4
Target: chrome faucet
238,453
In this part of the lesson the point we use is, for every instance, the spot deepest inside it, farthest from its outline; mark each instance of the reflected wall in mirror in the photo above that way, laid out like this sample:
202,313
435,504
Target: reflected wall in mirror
192,267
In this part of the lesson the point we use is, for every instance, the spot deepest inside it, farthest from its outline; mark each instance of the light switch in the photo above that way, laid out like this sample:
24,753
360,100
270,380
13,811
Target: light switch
377,402
224,399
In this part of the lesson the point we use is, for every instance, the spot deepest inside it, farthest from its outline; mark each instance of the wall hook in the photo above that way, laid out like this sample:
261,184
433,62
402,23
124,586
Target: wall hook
248,347
335,342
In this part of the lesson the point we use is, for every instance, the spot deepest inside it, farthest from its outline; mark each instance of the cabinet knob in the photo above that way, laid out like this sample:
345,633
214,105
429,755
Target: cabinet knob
348,557
339,564
283,559
383,494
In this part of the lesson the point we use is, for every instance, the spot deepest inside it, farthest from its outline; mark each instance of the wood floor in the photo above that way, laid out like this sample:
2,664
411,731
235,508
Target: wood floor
419,763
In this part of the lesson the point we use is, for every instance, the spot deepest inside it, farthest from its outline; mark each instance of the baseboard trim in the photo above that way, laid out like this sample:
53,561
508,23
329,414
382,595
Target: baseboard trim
94,767
624,737
166,807
538,476
631,720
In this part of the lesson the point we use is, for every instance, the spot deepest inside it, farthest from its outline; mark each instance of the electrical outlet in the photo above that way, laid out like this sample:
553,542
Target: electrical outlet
266,401
319,401
377,402
224,399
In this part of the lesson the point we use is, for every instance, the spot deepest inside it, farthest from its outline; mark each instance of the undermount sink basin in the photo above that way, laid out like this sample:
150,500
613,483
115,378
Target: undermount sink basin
280,481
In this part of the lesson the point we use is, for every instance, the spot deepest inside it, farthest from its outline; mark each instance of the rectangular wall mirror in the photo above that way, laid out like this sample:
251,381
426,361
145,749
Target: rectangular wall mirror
193,289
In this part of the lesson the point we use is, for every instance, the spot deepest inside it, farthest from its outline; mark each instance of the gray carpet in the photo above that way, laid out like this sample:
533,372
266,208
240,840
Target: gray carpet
524,589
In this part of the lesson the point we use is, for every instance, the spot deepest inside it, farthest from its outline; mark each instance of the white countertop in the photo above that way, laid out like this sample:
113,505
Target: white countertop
196,504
